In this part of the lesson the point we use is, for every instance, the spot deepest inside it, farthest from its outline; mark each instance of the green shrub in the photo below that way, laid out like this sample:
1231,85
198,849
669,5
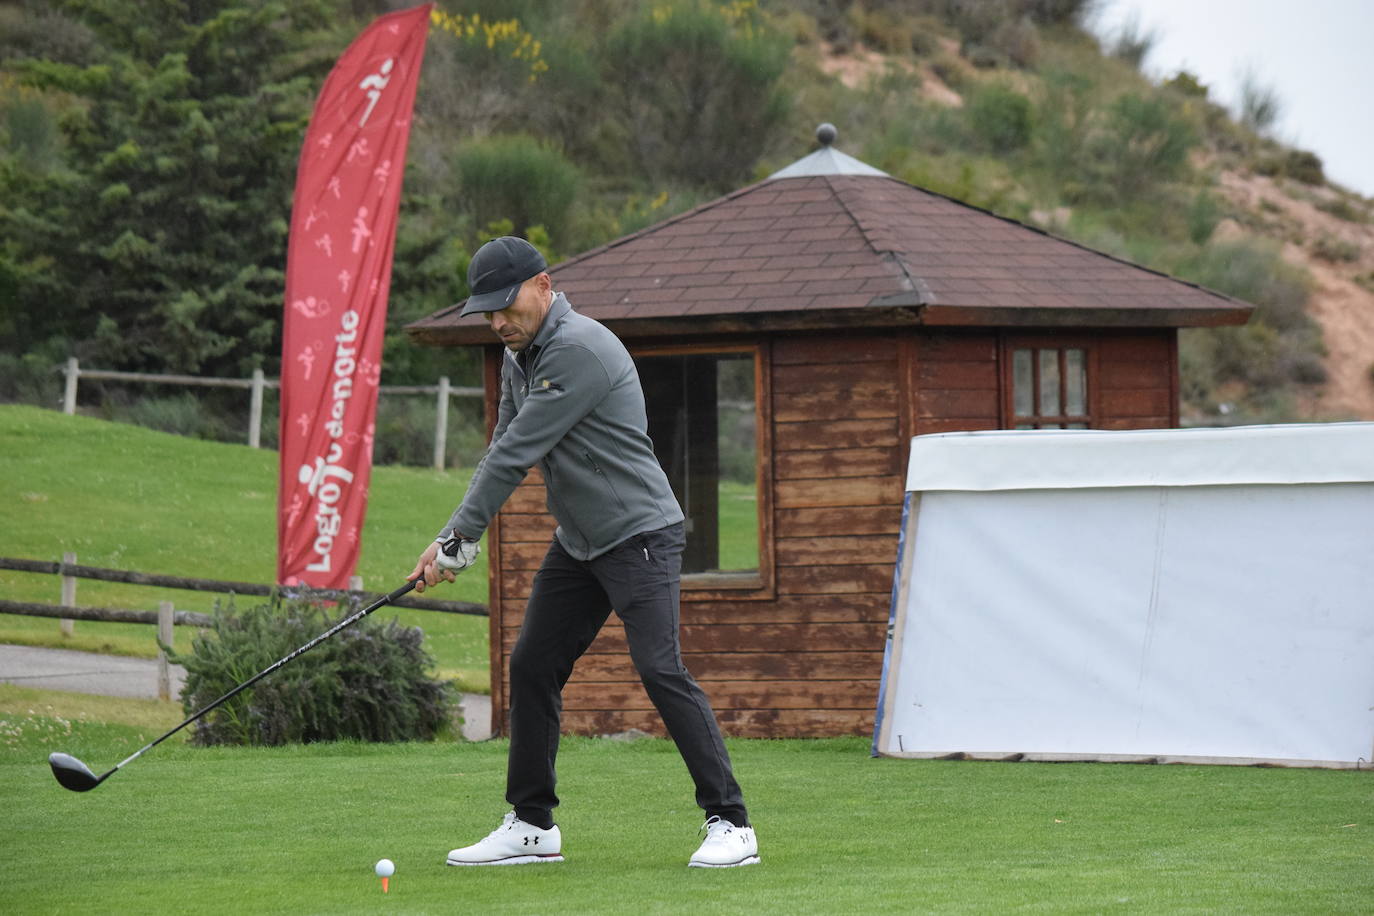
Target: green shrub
1057,12
1001,118
1304,166
716,96
1261,362
1342,208
1186,84
1142,144
1254,271
405,431
365,683
1065,110
30,379
951,70
1019,40
519,178
1329,248
1203,215
197,413
925,36
882,29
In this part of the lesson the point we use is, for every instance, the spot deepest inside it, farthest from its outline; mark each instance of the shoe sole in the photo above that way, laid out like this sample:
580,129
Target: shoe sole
748,860
511,860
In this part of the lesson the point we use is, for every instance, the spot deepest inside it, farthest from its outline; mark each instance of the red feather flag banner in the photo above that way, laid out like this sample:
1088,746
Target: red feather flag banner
338,273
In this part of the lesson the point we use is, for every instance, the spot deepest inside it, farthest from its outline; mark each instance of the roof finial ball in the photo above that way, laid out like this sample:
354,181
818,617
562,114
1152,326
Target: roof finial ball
826,133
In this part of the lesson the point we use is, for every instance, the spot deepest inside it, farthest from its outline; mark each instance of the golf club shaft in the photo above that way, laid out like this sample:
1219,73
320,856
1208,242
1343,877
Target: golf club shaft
341,625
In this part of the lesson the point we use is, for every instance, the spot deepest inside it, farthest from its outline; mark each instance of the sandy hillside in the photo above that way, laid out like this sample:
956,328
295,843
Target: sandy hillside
1336,251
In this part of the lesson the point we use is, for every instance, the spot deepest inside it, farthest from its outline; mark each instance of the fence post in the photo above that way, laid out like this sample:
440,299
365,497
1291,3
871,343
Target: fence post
69,395
255,411
68,589
441,423
164,635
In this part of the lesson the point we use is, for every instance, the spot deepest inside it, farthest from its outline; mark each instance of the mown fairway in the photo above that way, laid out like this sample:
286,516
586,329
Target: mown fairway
297,830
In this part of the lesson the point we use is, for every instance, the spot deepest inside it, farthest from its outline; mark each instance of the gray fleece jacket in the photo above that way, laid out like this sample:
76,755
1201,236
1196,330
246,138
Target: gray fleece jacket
576,408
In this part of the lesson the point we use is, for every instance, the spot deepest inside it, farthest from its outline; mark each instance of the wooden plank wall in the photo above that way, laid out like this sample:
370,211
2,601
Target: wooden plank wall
804,657
1138,375
955,378
838,477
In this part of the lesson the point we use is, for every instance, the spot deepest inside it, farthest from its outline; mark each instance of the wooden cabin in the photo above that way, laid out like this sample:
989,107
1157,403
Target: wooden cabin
792,337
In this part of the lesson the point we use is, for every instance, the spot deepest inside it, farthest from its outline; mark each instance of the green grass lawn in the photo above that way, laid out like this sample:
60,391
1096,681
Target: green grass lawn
130,498
739,525
298,829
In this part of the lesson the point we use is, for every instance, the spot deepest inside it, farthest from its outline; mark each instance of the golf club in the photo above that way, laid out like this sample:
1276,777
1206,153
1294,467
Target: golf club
75,775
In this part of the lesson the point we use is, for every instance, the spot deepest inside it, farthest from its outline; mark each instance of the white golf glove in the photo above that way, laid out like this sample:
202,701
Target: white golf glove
457,554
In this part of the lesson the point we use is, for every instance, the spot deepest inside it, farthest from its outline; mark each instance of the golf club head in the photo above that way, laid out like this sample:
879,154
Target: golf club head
72,773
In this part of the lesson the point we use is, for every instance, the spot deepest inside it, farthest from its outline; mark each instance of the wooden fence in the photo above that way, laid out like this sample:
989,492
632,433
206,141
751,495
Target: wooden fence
166,616
257,384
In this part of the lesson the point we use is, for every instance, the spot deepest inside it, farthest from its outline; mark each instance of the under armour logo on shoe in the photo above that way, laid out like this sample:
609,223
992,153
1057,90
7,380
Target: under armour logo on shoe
529,839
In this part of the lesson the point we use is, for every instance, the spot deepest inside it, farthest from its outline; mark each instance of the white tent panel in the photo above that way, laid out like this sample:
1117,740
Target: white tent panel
1231,622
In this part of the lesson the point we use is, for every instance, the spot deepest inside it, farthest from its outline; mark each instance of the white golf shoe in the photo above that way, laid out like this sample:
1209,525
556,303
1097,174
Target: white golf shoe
513,843
726,846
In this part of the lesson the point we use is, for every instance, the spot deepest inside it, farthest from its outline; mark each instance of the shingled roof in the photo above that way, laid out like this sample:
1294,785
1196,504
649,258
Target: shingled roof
821,245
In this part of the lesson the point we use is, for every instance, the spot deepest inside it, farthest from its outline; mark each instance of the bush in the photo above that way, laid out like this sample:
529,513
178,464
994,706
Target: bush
1186,84
365,683
30,379
716,97
1260,363
1001,118
1065,109
405,431
1203,215
1329,248
1142,144
517,178
1255,272
182,414
1019,39
1304,166
1342,208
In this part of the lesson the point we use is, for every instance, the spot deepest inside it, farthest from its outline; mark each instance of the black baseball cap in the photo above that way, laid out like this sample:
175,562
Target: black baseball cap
496,272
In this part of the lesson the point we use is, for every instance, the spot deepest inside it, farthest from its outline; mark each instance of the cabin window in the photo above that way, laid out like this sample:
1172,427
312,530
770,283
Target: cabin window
704,422
1049,388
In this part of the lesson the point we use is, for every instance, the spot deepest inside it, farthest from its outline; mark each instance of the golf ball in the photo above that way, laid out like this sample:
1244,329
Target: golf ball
385,868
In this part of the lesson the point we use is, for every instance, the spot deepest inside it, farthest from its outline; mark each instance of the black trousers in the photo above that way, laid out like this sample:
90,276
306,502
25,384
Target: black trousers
570,600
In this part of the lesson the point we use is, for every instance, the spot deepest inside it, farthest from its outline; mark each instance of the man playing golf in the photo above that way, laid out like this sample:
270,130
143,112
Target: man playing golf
571,401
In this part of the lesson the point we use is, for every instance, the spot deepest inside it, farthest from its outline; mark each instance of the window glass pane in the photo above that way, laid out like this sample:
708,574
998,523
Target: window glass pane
1049,383
738,447
702,419
1022,383
1075,384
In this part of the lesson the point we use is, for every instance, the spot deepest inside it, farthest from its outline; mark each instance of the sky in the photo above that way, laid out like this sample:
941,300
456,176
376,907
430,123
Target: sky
1316,55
